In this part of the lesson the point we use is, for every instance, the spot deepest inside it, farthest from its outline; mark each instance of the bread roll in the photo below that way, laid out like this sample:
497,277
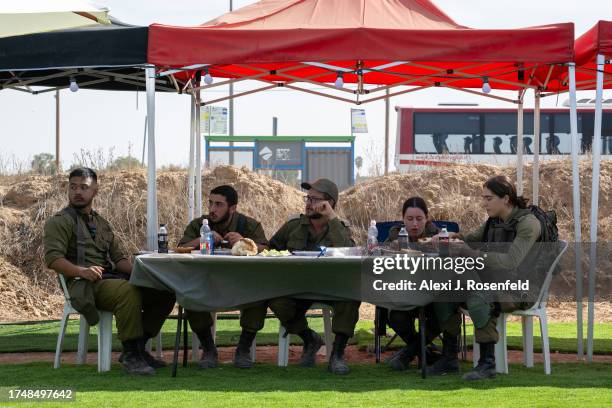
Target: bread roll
244,247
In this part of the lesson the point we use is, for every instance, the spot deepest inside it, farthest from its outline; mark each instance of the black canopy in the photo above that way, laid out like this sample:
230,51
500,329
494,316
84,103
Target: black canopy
109,57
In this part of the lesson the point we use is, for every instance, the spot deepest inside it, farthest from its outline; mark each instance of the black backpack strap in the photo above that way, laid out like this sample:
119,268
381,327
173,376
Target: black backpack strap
80,235
241,225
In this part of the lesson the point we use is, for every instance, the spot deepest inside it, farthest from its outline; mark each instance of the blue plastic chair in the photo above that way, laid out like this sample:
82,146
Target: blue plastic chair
384,227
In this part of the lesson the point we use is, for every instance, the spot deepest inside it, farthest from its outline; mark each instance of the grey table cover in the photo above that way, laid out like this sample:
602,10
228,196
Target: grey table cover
216,283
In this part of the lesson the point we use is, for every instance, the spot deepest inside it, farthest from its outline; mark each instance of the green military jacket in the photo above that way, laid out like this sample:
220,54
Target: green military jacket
528,231
296,234
59,241
251,229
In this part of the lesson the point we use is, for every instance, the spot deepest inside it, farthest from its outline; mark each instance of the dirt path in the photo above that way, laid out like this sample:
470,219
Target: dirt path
267,354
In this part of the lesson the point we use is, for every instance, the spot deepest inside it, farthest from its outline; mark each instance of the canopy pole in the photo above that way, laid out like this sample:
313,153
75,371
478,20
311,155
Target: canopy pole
387,104
596,152
536,150
191,173
519,146
576,203
57,131
151,166
198,170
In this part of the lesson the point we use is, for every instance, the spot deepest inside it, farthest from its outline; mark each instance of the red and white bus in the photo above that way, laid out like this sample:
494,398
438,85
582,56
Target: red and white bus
444,136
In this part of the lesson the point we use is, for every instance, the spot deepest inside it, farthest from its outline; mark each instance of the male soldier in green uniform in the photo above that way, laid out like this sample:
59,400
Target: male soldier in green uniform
80,245
228,227
320,226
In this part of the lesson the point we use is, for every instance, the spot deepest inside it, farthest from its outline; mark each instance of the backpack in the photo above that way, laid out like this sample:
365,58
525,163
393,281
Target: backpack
548,226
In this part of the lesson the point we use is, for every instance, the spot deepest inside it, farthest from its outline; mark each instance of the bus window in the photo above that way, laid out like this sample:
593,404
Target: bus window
445,132
562,137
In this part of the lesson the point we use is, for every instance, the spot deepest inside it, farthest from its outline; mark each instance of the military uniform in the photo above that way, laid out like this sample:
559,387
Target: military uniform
481,310
101,248
296,234
253,317
402,321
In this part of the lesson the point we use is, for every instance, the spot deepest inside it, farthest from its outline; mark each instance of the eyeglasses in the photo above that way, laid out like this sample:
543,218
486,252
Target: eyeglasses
313,200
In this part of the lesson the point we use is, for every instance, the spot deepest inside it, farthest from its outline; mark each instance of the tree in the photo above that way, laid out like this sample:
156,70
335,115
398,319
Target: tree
358,163
43,163
125,163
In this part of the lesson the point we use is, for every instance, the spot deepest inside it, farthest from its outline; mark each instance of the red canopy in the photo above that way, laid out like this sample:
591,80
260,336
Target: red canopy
432,49
598,40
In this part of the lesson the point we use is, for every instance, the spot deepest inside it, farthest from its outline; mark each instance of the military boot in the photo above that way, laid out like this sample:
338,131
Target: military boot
337,363
448,363
486,364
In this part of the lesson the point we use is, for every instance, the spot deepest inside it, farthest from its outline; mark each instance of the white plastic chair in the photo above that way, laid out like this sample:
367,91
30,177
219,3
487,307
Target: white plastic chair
538,310
105,334
284,338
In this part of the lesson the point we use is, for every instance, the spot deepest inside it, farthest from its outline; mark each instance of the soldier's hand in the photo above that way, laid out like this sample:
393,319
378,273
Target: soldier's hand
233,237
325,209
217,237
93,273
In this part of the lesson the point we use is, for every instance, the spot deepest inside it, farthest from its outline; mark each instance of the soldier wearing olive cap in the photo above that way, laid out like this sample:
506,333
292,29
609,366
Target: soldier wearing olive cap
319,226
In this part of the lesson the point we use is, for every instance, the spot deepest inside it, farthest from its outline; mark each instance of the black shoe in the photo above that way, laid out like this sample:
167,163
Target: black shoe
209,359
148,358
242,358
309,351
486,364
134,364
444,365
401,360
448,363
337,363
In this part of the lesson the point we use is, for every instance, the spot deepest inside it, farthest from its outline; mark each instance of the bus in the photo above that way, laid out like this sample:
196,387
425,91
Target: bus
446,136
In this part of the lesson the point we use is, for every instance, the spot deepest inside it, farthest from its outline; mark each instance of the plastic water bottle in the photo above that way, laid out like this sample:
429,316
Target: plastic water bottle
443,241
162,239
403,239
372,236
207,240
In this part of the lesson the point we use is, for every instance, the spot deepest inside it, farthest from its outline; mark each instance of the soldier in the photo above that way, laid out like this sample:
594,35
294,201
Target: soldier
512,223
320,226
81,245
415,216
228,227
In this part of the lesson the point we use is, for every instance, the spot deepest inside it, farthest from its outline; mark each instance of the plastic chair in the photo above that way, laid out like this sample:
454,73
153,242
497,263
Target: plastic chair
538,310
105,334
284,338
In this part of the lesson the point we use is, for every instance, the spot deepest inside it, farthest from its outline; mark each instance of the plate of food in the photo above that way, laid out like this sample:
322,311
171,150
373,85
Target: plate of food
425,240
183,250
307,253
222,251
274,253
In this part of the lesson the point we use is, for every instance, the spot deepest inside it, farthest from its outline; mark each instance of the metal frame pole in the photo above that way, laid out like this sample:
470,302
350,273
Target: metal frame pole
151,166
191,172
596,152
519,146
536,150
198,157
576,202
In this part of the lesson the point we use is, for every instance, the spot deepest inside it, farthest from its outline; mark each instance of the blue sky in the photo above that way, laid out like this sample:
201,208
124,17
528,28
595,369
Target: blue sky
107,120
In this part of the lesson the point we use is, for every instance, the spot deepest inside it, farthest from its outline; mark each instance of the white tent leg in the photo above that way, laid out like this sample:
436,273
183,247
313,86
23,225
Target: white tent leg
595,203
535,178
198,170
519,147
151,167
576,202
191,171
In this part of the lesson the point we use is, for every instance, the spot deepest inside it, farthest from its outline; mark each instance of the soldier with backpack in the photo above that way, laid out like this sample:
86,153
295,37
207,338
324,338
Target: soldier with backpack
509,239
80,244
228,227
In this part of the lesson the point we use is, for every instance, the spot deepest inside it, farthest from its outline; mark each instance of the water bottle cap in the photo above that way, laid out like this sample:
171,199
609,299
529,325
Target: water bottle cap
372,223
205,221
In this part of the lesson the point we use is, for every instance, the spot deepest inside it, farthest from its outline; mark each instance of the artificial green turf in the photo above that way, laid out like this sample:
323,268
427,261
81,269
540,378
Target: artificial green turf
265,385
43,336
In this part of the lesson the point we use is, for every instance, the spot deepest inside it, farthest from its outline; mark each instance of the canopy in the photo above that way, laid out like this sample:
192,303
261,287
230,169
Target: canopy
104,57
34,16
407,42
